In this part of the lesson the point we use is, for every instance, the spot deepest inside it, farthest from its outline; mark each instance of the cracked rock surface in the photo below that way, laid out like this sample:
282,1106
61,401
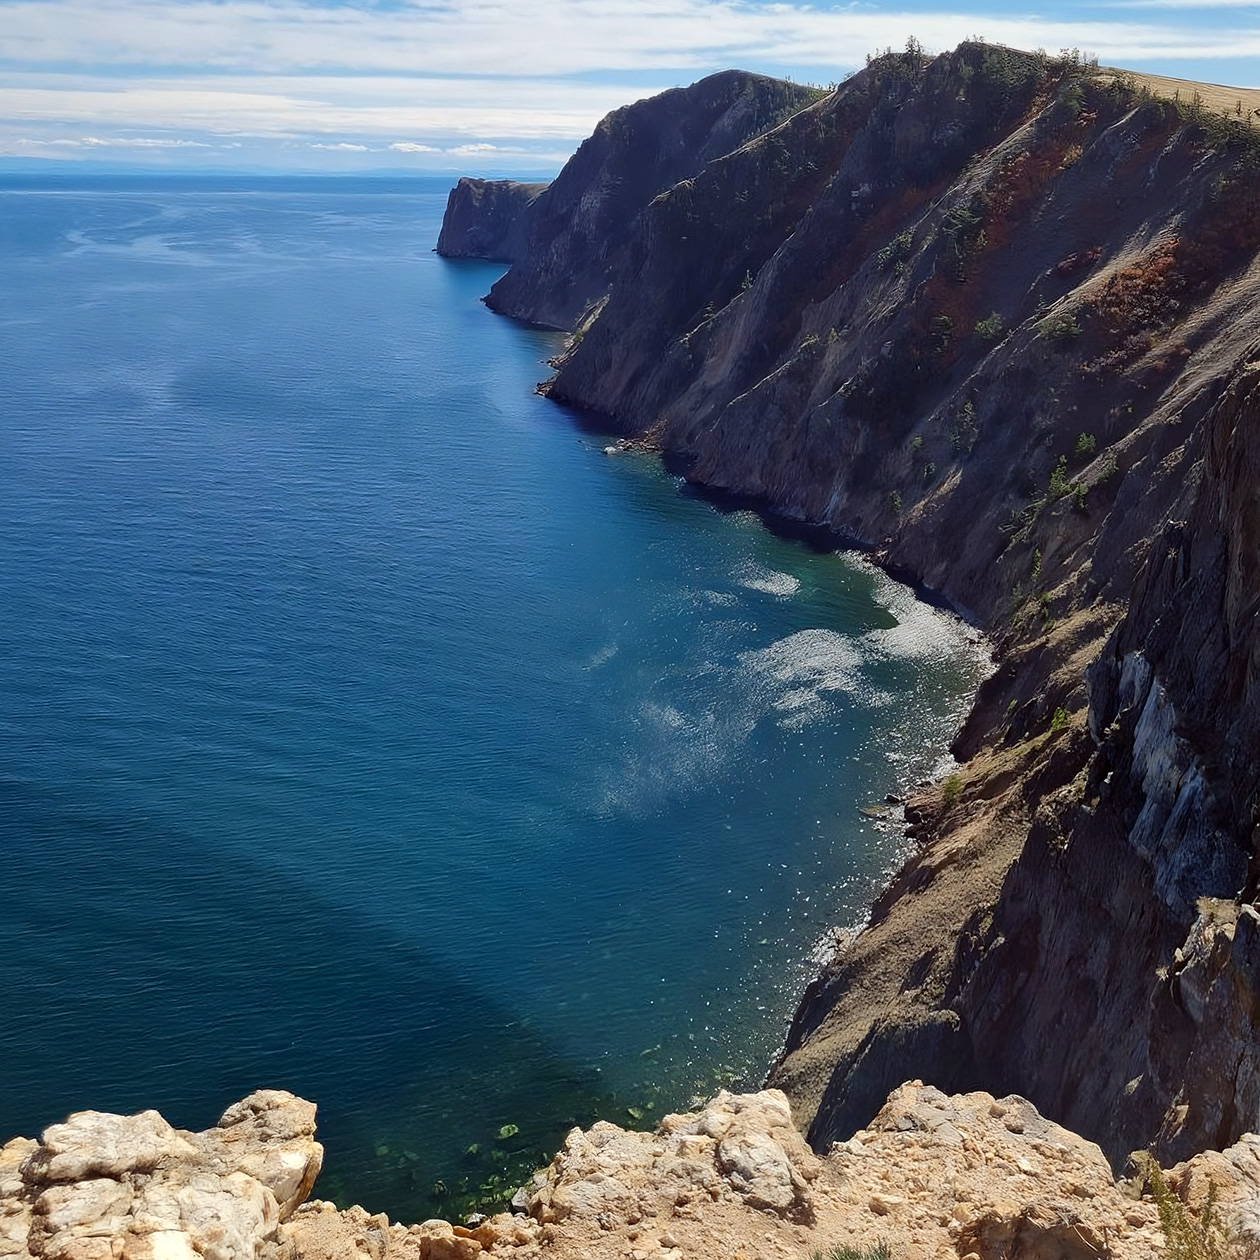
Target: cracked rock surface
934,1176
106,1187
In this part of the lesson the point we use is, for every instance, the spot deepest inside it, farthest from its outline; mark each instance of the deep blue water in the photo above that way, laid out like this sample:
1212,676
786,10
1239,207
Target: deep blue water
367,731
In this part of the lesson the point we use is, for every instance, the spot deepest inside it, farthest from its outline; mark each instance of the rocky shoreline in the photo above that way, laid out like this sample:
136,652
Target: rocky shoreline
990,314
932,1178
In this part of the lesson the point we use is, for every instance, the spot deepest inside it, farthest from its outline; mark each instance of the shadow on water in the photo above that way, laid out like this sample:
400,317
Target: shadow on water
222,976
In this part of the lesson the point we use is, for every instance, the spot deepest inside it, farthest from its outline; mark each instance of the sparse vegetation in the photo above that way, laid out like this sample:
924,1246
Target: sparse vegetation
1059,328
1059,485
1084,448
846,1251
951,790
1058,720
966,429
962,230
895,253
1109,468
989,328
1185,1236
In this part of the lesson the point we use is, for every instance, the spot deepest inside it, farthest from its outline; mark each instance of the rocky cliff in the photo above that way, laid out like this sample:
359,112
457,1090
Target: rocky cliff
486,218
992,314
566,240
933,1178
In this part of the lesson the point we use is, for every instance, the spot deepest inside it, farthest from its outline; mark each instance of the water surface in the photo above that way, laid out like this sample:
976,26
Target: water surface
367,731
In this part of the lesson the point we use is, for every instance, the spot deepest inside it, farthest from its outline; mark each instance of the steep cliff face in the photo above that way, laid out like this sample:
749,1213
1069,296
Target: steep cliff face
487,219
572,233
993,315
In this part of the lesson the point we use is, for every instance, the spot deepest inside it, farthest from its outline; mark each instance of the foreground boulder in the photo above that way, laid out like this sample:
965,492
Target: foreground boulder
105,1187
934,1177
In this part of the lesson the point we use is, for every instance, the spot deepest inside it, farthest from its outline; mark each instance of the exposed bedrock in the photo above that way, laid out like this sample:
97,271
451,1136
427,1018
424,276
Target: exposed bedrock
933,1177
566,239
992,314
487,218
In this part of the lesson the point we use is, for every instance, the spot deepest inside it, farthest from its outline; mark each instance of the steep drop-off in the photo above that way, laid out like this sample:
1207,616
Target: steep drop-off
567,240
992,314
486,218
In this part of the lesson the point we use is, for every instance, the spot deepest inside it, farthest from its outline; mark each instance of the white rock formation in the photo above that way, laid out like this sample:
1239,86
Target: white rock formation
104,1187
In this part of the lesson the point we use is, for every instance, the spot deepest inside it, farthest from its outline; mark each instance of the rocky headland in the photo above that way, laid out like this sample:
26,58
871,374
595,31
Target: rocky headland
990,315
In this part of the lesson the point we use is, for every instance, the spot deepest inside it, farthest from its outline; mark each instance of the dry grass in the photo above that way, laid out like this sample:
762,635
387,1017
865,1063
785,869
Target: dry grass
1235,101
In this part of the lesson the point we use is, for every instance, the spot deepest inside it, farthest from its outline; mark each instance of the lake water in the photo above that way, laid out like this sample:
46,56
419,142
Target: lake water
367,731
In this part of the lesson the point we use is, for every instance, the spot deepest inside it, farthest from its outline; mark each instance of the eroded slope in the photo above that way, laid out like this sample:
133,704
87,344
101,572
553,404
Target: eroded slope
993,315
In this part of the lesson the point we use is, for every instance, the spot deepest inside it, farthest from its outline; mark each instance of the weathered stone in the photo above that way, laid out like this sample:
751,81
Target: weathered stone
271,1137
94,1143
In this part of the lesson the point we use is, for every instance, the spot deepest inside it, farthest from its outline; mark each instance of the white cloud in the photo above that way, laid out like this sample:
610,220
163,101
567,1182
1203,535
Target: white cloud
336,106
515,37
115,142
517,75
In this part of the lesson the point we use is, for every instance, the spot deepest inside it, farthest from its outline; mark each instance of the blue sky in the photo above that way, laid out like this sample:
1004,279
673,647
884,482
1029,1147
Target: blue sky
485,86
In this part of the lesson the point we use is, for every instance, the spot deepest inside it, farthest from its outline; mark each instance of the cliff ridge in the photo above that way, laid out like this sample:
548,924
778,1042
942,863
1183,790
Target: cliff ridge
991,315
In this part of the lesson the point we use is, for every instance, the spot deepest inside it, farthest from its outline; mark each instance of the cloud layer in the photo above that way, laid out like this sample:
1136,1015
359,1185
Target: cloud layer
419,83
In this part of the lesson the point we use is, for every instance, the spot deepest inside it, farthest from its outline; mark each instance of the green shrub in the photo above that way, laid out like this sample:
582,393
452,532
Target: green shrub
951,790
1059,485
1085,444
895,253
894,502
1059,328
1059,720
989,328
1184,1237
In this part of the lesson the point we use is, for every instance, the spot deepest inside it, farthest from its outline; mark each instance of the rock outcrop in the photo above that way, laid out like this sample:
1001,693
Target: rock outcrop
565,240
933,1178
486,218
992,315
106,1187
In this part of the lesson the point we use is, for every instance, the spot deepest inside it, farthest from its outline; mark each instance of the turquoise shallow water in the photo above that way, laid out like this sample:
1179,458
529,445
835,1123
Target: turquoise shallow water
366,730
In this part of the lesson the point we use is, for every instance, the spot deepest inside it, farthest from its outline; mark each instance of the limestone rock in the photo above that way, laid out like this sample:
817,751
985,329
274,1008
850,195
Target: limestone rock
934,1177
270,1136
1234,1173
93,1142
740,1145
107,1187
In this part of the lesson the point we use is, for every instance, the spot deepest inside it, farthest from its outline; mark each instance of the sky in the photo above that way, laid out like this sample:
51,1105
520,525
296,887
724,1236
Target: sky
485,87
